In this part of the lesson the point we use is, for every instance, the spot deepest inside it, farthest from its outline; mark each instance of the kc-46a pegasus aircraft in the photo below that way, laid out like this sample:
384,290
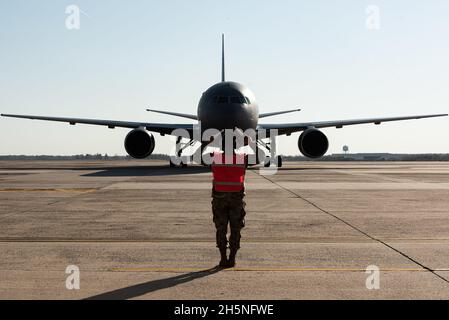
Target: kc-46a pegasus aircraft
225,105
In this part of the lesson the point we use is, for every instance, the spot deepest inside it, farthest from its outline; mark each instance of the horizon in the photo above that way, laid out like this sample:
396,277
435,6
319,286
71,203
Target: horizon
323,58
168,155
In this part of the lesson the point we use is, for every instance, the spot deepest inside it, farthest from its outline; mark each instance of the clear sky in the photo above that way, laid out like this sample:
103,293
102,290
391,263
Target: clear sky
316,55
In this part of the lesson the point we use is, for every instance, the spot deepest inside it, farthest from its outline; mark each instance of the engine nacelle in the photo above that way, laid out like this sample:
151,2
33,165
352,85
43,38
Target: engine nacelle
139,144
313,143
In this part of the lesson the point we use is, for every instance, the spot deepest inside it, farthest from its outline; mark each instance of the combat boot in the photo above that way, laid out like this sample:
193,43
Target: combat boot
224,260
231,260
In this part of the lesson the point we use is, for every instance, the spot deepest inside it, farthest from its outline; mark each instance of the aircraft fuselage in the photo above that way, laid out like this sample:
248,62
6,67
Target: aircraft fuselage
228,105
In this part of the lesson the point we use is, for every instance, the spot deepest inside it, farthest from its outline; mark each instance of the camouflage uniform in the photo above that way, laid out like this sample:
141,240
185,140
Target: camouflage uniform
228,207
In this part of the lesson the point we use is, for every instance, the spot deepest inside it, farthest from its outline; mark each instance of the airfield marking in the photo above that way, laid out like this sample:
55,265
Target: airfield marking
80,190
262,269
379,240
287,185
275,241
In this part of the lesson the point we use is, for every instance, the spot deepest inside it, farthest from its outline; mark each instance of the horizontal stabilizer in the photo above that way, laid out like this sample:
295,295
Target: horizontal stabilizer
182,115
263,115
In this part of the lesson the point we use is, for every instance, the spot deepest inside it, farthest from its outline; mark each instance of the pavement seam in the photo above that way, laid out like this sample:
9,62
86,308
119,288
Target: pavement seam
235,269
262,269
69,198
179,240
359,230
375,176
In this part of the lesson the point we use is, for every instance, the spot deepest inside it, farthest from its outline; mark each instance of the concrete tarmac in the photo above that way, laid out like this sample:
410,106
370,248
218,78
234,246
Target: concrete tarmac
142,230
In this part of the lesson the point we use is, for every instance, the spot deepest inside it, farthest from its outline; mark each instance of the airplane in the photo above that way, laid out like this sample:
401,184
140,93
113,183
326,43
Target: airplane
225,105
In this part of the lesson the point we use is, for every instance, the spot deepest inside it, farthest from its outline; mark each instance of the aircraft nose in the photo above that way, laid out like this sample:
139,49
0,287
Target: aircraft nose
230,116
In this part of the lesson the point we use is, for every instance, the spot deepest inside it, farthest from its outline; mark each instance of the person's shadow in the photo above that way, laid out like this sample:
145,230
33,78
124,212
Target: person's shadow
151,286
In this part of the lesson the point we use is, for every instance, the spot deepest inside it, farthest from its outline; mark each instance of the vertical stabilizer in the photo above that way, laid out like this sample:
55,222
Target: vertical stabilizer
222,59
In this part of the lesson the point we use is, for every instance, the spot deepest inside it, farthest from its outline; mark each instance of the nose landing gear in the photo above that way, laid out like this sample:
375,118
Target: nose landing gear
268,161
182,160
277,161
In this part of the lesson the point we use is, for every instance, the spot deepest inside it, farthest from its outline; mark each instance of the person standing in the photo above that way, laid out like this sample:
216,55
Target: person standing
228,206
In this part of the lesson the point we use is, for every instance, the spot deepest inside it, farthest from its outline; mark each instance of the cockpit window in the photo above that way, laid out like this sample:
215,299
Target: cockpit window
236,100
232,99
222,99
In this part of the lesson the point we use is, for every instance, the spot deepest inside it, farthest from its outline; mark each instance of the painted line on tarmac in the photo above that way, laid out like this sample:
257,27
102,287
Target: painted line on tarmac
12,240
268,241
261,269
354,227
80,190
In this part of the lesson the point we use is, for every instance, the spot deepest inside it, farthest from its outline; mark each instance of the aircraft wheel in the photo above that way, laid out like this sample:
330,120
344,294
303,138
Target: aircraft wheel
267,162
260,156
184,161
279,161
172,165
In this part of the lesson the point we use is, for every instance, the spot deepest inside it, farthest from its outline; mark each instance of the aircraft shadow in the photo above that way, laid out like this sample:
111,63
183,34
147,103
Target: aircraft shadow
320,168
138,171
152,286
165,170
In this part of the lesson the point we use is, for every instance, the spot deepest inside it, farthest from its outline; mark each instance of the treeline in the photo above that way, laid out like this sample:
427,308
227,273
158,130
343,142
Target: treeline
375,157
86,156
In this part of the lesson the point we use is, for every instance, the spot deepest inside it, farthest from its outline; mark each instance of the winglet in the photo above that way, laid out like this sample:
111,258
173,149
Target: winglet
222,59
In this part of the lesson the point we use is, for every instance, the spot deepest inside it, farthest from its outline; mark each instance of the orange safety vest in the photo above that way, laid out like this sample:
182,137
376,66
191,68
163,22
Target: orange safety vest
228,172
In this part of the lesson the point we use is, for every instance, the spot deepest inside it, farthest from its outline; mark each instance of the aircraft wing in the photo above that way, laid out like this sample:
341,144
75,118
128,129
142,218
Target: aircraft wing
288,128
163,128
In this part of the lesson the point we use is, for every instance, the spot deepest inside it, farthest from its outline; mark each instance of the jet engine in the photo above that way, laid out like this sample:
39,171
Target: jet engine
139,144
313,143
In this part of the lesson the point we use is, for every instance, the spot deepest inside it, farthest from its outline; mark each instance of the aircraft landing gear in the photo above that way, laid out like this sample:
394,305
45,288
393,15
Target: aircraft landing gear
183,163
267,162
179,150
279,162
